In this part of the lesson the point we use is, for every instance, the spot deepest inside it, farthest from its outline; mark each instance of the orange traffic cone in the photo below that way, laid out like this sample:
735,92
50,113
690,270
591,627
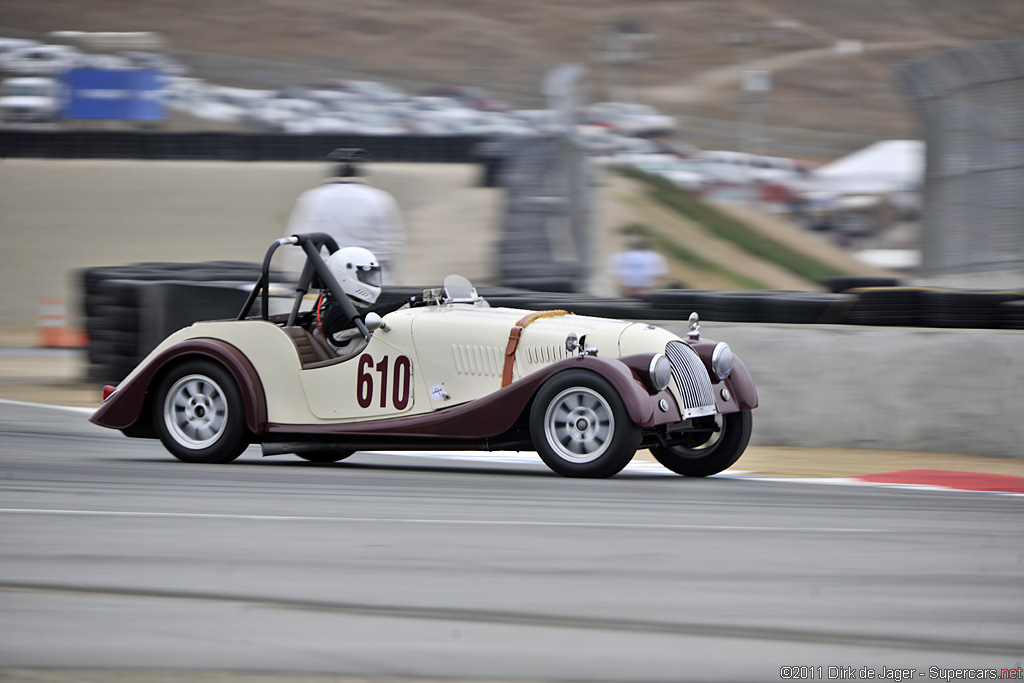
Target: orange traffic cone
53,325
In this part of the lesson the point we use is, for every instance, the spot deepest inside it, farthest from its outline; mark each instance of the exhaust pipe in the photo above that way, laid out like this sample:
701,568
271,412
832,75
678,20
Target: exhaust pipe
284,447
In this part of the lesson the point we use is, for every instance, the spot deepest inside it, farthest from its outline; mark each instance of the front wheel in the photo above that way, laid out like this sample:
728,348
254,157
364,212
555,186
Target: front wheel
198,413
709,451
580,426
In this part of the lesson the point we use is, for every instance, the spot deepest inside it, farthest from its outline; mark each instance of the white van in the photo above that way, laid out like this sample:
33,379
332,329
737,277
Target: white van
30,99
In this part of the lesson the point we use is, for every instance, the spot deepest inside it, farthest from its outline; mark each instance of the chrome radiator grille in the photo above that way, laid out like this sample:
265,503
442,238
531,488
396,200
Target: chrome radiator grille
692,380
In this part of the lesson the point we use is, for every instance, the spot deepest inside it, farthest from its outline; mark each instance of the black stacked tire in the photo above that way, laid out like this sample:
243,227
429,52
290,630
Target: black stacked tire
806,308
844,283
886,306
110,305
964,308
741,306
1011,315
675,304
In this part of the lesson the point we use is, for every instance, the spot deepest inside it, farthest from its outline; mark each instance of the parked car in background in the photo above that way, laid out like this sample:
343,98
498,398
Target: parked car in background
626,118
197,98
683,172
468,96
738,168
370,90
155,60
9,44
30,99
42,60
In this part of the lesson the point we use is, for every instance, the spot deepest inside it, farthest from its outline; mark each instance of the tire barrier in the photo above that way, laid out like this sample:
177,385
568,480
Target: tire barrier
129,309
1011,315
844,283
806,308
227,146
878,306
768,306
886,306
580,304
676,304
979,310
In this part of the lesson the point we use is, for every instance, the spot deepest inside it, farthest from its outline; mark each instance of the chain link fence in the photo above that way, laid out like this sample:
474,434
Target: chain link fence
972,104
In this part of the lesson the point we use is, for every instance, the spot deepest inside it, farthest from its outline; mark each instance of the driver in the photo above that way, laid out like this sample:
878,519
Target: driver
359,273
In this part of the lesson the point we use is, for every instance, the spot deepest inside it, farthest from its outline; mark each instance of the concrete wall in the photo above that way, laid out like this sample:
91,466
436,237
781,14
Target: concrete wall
57,216
913,389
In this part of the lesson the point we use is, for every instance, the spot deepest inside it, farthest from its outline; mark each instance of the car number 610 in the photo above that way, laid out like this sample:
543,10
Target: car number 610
401,381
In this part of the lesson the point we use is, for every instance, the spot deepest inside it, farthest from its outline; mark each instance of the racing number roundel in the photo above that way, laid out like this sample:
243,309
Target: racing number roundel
384,381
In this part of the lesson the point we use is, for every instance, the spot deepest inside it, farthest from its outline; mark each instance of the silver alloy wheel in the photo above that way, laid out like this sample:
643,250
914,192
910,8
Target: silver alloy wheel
196,411
579,425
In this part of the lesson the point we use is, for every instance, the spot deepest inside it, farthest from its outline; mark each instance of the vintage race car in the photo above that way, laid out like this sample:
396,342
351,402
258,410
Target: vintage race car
446,371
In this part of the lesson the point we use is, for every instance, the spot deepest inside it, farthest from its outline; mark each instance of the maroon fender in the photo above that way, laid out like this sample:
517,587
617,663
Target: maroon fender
743,394
496,413
123,408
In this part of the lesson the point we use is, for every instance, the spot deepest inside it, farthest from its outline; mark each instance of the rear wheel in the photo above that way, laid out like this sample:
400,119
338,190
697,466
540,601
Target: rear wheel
580,426
709,451
198,413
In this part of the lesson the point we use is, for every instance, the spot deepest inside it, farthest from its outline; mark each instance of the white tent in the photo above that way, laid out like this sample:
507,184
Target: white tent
886,166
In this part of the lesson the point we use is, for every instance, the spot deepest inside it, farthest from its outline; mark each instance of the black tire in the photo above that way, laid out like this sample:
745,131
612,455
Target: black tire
842,283
107,342
710,452
198,413
890,306
325,455
740,306
580,426
806,308
1011,315
973,309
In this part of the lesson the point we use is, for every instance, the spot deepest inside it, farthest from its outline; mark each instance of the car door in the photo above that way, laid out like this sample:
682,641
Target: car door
378,382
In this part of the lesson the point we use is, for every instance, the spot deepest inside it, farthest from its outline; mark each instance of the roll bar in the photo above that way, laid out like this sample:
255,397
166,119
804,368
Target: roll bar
311,244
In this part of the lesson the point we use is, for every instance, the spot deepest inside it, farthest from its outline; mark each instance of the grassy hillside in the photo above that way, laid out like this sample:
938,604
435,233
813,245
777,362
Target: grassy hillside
726,227
714,246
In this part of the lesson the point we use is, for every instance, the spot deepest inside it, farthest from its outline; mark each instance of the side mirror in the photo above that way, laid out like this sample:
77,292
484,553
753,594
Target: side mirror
374,322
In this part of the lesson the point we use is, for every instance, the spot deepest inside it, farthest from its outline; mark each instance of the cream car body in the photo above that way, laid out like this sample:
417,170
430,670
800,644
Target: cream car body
450,354
448,371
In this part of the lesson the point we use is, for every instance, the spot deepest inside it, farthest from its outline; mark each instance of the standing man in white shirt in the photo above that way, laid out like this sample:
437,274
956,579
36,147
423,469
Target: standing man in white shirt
354,213
638,269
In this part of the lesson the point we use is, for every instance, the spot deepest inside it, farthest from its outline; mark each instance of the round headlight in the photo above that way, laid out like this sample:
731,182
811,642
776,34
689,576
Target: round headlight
660,371
722,360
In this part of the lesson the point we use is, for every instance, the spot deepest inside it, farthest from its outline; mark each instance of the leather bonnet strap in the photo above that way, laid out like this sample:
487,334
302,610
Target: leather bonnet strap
513,341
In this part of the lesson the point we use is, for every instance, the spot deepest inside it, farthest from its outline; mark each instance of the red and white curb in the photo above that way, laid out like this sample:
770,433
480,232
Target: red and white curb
921,480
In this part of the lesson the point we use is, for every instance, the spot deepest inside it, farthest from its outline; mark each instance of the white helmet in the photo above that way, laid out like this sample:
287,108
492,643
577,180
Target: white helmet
358,272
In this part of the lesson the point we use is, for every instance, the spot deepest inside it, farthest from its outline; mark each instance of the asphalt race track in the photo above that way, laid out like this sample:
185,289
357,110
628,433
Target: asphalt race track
113,555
